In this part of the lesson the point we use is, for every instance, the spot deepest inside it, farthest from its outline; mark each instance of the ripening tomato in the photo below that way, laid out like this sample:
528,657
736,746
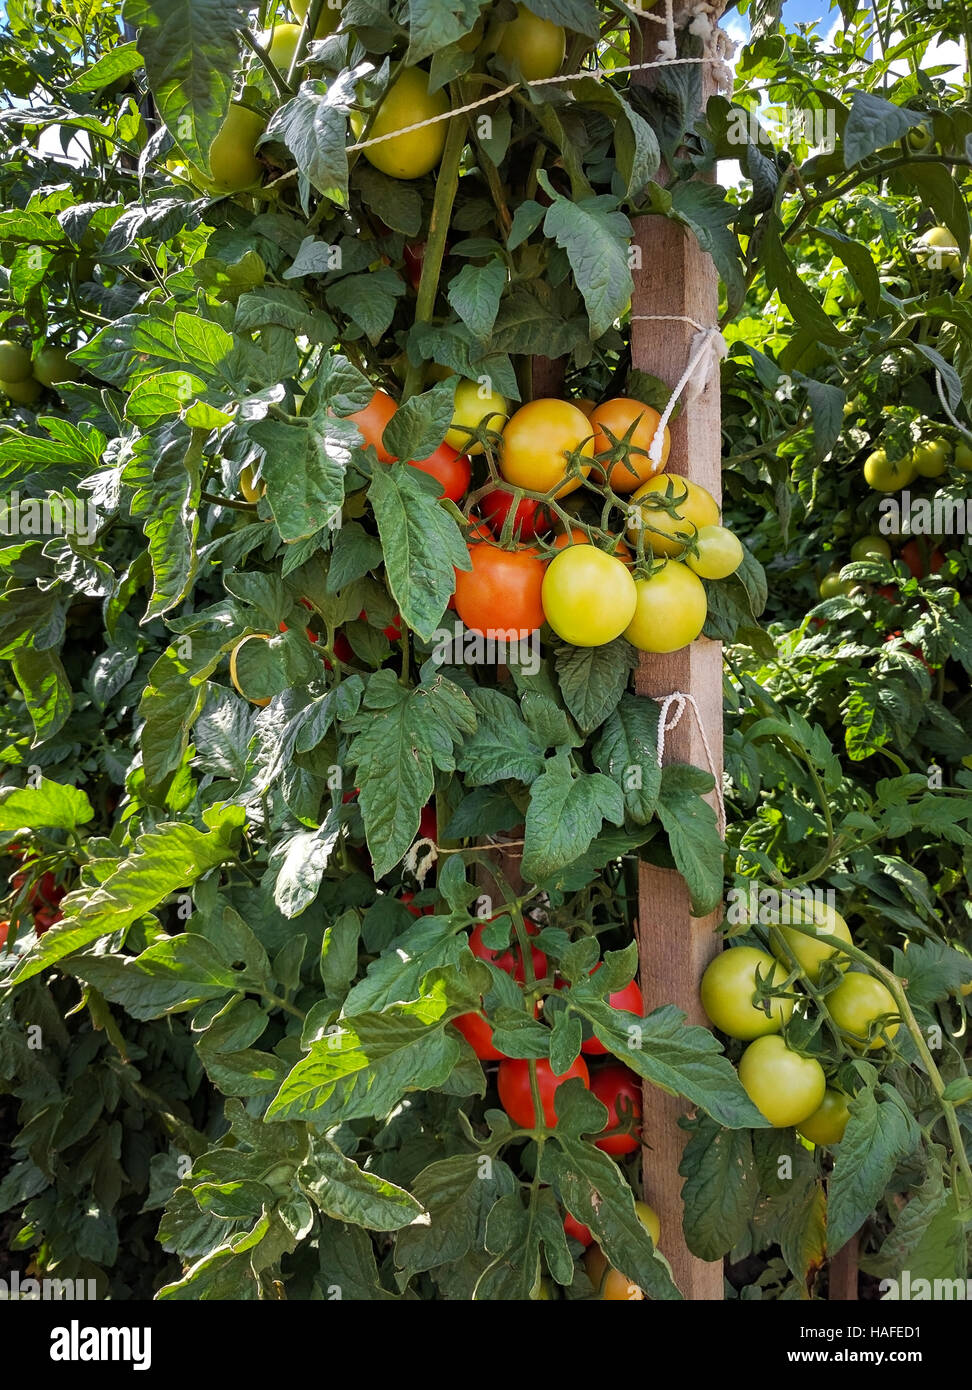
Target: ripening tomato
529,519
450,469
500,595
537,442
692,508
785,1087
406,901
537,46
428,824
617,1087
929,457
261,700
610,1285
576,1230
251,489
372,420
516,1095
44,918
887,475
857,1002
479,1035
4,929
589,597
918,560
728,988
810,955
476,406
508,958
720,553
670,609
407,101
649,1219
628,1000
827,1123
611,422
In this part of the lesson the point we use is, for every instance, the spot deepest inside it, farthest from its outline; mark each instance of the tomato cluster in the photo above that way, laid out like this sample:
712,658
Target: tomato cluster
748,994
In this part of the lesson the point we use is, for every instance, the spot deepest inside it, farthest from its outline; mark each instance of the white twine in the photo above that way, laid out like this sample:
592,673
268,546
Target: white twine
420,858
708,347
680,702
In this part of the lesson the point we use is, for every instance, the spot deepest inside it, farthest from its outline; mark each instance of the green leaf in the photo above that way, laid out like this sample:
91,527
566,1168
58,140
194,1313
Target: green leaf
458,1194
595,236
878,1135
171,856
475,295
174,974
304,468
422,545
313,126
593,679
566,811
420,424
626,750
46,691
116,63
874,123
191,53
300,861
693,836
364,1065
720,1190
501,745
400,736
345,1192
49,806
368,300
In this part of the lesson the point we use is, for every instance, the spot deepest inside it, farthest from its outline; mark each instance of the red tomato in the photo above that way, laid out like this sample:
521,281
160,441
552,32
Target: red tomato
529,520
450,469
428,825
479,1035
511,959
500,596
516,1095
342,647
311,636
620,1090
413,255
394,629
629,999
45,917
576,1230
372,421
4,929
406,901
915,555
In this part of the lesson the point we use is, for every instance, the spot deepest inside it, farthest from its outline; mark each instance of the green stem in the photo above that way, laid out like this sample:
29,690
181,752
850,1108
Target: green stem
281,85
446,185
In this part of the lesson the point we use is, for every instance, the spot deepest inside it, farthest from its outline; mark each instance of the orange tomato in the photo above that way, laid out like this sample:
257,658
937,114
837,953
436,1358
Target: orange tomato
372,421
500,595
615,418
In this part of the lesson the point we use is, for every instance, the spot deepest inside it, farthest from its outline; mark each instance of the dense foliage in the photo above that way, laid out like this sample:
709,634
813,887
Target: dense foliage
243,926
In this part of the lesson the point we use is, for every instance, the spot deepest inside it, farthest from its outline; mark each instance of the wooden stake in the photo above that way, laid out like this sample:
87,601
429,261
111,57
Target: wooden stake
676,278
842,1287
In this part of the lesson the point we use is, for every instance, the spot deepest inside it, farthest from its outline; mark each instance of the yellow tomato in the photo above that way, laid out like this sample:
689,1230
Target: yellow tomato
588,596
476,406
537,442
670,609
720,553
328,19
235,671
694,507
232,155
610,1285
810,954
407,101
537,46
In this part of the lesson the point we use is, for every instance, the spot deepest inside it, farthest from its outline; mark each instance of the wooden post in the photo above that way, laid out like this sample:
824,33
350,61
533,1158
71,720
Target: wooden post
675,277
842,1286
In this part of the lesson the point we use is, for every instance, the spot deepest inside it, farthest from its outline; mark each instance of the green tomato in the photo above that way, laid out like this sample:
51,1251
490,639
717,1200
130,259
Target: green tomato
870,547
15,363
720,553
827,1123
232,155
920,138
930,457
939,249
887,475
52,365
831,585
535,45
856,1003
281,45
784,1087
810,955
22,392
727,991
407,101
670,611
328,19
963,456
475,405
